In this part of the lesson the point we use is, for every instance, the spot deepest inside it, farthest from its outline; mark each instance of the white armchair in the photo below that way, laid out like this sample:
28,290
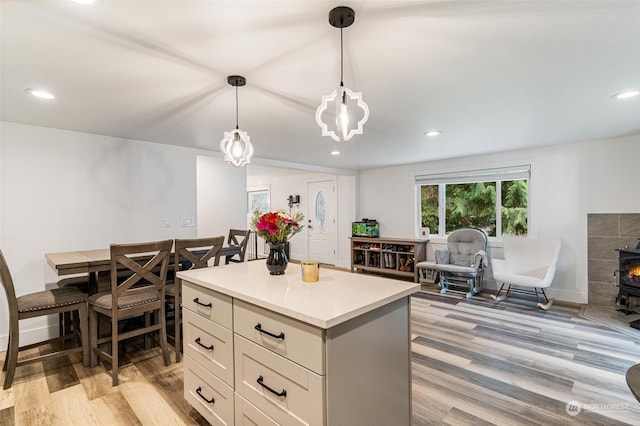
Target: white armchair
529,264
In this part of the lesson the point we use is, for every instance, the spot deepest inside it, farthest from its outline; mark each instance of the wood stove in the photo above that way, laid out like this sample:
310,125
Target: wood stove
628,277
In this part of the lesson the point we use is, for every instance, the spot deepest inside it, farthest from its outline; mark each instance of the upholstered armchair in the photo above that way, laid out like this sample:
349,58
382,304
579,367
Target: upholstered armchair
461,267
529,265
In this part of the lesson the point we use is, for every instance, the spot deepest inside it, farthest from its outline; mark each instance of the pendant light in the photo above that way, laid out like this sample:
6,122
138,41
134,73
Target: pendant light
236,144
342,113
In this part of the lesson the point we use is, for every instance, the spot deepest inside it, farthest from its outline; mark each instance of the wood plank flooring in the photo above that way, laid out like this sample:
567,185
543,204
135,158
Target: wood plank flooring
479,362
475,362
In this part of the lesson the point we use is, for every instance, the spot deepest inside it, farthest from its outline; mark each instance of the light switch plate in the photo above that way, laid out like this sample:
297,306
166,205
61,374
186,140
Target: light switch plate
187,222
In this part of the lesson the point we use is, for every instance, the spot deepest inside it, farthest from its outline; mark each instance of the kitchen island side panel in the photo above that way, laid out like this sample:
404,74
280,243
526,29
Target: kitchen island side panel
369,368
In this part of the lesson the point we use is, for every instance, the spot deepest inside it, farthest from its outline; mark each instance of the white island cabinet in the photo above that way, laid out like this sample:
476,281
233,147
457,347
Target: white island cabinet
274,350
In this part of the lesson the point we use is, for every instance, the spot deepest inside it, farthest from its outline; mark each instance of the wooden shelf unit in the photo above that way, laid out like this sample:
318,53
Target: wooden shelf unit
388,255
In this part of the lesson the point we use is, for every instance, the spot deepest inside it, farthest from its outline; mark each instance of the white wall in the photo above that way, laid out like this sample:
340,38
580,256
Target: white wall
285,182
64,190
567,182
221,197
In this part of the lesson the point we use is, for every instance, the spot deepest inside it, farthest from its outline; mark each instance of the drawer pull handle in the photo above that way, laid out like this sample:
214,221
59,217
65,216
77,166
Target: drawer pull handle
261,383
209,348
206,305
275,336
208,401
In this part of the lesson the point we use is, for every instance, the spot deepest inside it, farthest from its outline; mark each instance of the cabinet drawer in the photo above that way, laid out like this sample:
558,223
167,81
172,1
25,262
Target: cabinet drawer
301,392
208,304
209,344
207,394
248,415
301,343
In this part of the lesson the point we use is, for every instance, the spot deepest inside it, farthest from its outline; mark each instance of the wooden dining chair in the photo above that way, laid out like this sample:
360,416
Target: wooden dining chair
189,254
138,279
41,303
237,238
70,321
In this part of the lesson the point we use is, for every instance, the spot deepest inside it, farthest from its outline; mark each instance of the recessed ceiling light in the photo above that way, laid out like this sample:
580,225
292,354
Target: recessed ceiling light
335,152
432,132
43,94
627,94
84,1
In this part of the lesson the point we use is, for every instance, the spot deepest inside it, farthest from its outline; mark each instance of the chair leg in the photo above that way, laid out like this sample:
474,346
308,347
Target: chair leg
93,333
114,351
12,356
546,306
6,355
84,334
497,296
147,323
177,329
545,295
161,315
61,323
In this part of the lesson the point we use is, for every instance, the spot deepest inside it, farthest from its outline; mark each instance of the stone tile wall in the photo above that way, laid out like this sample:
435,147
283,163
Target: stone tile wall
605,233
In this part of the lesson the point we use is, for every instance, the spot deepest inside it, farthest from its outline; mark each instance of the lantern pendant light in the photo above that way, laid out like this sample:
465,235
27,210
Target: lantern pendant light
236,144
342,113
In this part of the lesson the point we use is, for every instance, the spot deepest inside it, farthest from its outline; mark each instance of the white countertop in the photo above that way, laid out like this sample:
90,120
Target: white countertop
337,297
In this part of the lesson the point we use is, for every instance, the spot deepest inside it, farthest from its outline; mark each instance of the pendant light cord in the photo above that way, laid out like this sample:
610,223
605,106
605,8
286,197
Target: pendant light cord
341,58
236,107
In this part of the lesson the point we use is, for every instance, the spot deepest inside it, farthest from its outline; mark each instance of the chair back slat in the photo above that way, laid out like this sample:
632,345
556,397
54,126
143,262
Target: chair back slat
197,252
239,237
142,274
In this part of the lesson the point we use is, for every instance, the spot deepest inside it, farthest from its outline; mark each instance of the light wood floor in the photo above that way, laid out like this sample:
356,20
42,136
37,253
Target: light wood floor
474,362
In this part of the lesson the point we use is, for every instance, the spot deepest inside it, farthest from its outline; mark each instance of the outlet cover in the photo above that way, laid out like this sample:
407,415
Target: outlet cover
187,222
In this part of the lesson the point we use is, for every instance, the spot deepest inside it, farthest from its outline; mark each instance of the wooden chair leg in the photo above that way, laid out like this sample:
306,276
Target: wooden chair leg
93,337
114,351
6,354
12,355
177,333
84,333
163,335
147,323
61,323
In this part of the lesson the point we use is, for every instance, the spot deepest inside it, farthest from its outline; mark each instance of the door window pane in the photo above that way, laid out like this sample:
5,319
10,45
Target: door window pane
321,211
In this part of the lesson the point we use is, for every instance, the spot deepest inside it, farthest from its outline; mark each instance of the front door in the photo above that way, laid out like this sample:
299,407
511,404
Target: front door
323,231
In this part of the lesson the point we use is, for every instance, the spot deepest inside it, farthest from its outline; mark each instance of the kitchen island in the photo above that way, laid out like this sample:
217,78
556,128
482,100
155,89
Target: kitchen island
275,350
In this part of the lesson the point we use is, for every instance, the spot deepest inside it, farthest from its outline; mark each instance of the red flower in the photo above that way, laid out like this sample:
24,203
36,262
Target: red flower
277,227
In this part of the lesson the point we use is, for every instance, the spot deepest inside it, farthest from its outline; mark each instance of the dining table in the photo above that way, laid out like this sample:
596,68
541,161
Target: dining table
96,263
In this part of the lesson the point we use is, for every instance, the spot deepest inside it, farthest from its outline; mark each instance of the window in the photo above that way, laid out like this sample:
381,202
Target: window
257,199
494,200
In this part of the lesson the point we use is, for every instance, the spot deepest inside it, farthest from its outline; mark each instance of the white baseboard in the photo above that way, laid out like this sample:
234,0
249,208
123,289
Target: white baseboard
32,335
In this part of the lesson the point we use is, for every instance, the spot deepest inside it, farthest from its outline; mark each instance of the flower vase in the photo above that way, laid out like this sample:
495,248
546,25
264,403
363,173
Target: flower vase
277,260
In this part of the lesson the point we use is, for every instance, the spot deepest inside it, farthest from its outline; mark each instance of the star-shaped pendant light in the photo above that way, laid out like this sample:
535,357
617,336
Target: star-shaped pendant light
342,113
236,144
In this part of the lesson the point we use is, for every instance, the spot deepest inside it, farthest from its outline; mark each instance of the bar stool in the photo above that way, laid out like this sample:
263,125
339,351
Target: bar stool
47,302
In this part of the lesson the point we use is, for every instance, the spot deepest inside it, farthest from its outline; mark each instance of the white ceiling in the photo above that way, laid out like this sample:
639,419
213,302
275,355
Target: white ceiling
493,75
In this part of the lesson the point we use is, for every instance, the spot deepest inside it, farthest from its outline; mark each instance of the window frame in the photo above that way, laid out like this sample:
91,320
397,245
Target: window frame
497,175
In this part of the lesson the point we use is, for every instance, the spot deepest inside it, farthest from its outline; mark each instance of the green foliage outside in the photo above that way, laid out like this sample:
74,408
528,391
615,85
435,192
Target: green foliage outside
514,207
471,205
429,210
474,205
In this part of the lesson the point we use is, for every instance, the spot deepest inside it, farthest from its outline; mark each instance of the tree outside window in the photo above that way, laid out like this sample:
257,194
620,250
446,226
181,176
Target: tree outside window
498,207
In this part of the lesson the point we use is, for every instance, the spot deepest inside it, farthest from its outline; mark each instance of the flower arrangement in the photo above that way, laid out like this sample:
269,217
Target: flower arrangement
277,227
